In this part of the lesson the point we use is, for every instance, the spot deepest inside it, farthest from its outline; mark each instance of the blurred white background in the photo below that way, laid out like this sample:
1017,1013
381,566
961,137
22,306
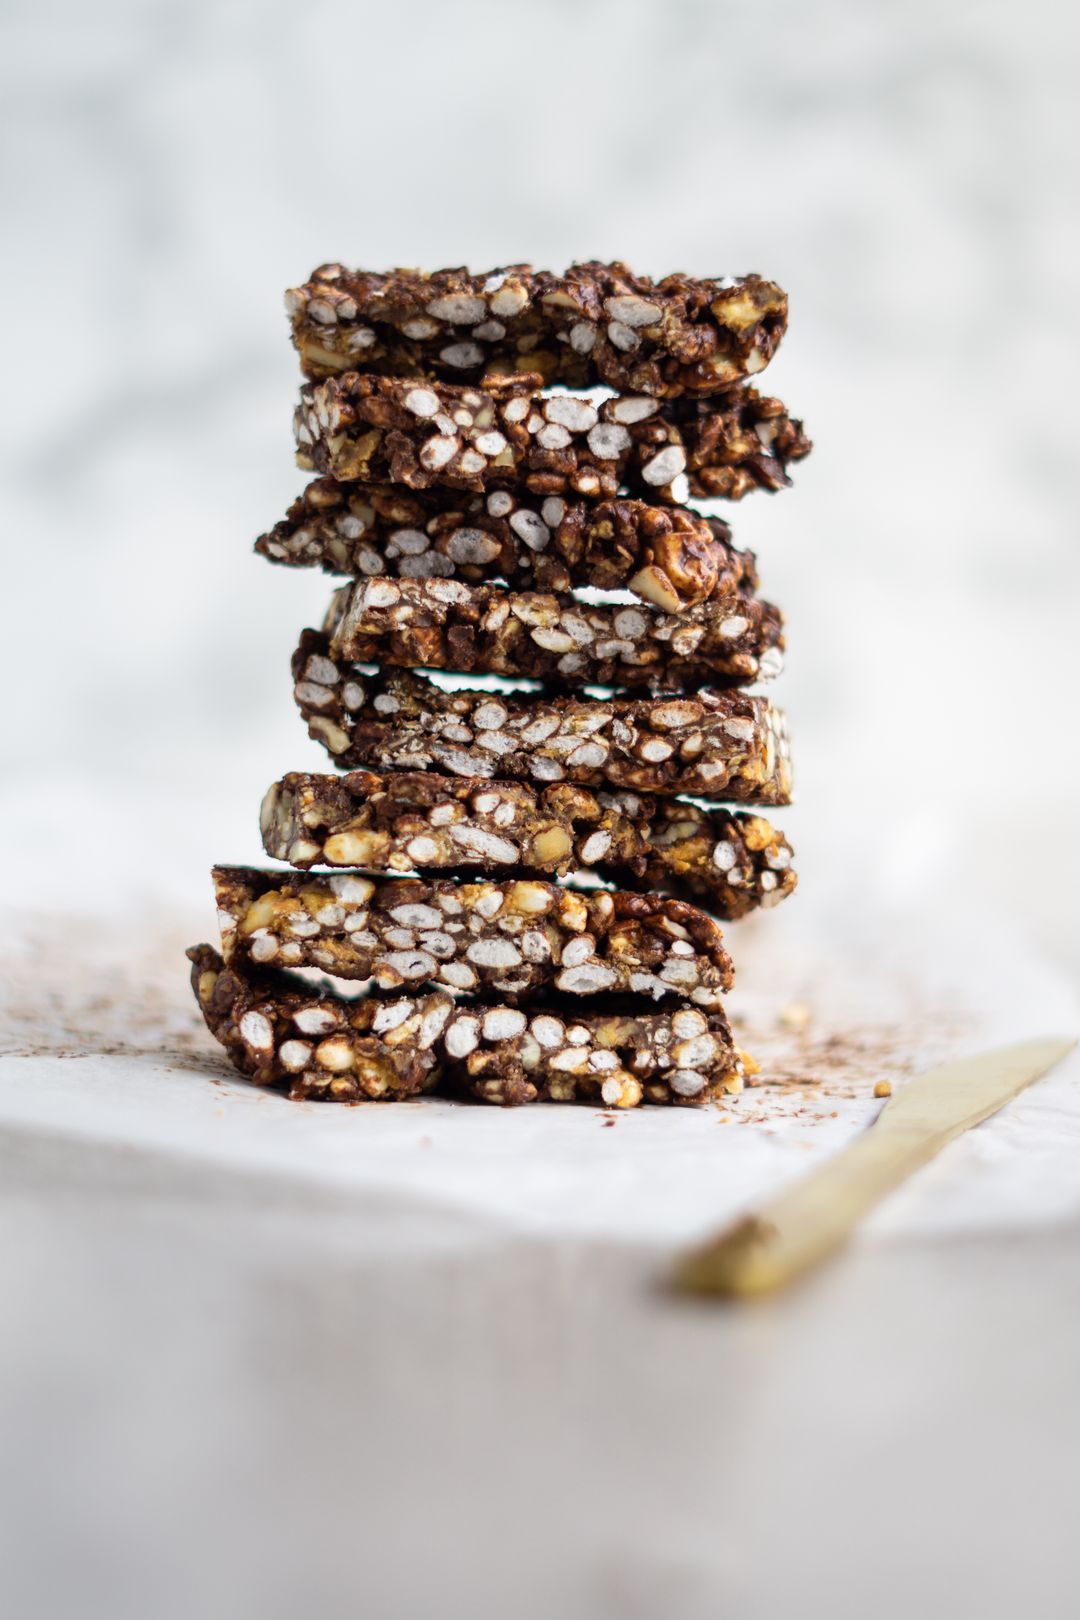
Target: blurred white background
228,1393
907,170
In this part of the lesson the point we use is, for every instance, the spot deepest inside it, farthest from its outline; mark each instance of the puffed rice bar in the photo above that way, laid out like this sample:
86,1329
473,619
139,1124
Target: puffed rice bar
719,744
417,821
621,1058
518,936
444,624
280,1031
668,556
597,323
382,430
734,444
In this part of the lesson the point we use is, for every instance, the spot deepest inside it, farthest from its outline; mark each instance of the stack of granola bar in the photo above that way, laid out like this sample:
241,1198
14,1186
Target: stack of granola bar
524,871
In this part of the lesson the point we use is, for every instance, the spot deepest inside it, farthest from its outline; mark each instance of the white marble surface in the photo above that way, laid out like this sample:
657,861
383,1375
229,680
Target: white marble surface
239,1375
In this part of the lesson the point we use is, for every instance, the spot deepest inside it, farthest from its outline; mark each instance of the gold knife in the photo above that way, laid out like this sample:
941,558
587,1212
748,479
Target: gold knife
763,1251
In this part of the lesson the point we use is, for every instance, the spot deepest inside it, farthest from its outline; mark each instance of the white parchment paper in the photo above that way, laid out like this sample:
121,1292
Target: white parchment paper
262,1358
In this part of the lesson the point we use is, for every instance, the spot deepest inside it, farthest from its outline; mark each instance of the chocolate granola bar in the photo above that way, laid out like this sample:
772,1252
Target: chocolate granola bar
421,821
720,744
377,430
279,1030
619,1058
732,861
417,821
597,323
665,554
444,624
518,936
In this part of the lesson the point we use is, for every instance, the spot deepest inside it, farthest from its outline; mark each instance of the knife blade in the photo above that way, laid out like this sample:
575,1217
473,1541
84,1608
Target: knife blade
804,1225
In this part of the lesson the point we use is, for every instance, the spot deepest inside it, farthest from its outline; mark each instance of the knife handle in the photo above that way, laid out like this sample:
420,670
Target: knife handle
803,1226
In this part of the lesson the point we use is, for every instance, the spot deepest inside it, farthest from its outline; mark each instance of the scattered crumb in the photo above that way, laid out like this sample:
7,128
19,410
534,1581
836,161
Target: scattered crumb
805,1072
883,1088
59,999
796,1015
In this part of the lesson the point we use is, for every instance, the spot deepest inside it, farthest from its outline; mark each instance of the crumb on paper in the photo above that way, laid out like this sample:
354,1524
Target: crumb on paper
883,1088
59,999
796,1015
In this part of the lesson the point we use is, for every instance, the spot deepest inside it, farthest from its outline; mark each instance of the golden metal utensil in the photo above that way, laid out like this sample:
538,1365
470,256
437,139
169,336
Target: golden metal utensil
802,1226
